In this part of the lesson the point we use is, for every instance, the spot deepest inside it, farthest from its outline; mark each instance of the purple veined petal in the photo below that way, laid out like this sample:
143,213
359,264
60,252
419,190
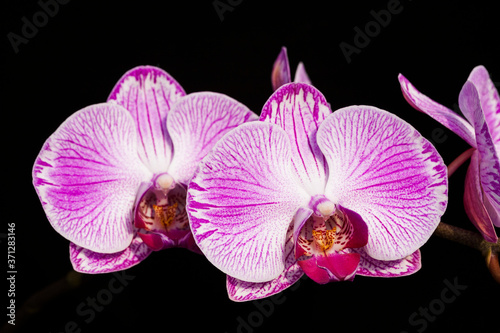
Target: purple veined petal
87,261
394,268
438,112
490,101
281,70
301,74
474,202
240,291
384,170
87,175
299,109
242,200
196,123
489,155
149,93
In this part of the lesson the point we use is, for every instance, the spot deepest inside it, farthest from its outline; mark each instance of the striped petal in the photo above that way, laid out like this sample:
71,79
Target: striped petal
240,291
440,113
196,123
299,109
86,261
490,101
87,176
393,268
383,169
474,202
281,70
489,155
149,93
242,200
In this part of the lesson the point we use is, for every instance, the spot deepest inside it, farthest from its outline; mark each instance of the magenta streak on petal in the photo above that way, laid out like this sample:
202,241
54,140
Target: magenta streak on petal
299,109
86,261
384,170
147,93
490,101
489,156
395,268
241,291
87,176
196,123
438,112
241,227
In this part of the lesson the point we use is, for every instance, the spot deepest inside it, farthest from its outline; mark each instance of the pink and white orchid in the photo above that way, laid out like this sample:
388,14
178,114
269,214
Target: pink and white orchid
305,190
112,178
480,103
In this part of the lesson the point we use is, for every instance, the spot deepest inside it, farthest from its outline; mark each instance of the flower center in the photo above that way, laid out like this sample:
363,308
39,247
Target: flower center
324,239
161,208
165,215
327,230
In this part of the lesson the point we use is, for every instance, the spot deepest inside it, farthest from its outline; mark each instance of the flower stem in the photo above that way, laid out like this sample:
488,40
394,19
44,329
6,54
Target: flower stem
493,266
457,162
474,240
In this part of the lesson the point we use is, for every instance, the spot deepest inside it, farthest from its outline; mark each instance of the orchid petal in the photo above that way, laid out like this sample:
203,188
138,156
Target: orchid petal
369,266
474,202
87,176
241,291
242,200
438,112
299,109
489,156
299,221
301,74
490,101
383,169
332,267
156,242
360,229
196,123
87,261
148,93
281,70
340,266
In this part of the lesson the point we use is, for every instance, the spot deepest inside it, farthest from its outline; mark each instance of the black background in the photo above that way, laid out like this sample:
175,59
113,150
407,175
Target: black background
77,56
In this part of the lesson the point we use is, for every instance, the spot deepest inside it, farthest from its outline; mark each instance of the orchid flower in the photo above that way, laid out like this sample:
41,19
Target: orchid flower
480,103
281,75
112,178
305,190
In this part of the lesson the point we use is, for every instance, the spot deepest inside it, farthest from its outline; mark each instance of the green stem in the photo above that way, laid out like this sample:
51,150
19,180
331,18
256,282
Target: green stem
474,240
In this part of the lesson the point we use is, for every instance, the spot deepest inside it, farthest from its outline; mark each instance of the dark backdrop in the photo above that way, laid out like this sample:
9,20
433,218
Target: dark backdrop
77,54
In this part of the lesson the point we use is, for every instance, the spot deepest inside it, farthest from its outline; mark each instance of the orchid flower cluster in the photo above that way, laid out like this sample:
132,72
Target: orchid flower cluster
298,189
